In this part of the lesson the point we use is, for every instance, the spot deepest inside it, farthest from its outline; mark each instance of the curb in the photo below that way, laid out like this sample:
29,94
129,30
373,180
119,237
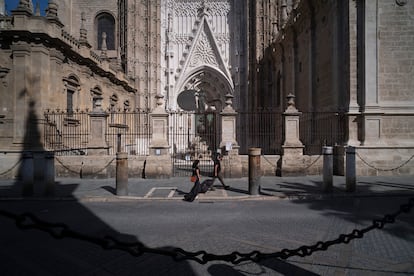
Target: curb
201,199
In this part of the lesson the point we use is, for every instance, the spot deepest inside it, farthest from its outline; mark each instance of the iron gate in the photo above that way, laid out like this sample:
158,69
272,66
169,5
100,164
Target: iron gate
193,136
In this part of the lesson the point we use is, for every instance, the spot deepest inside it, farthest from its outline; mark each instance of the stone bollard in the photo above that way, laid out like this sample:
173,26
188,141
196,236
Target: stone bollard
350,173
254,171
327,169
121,173
49,171
27,174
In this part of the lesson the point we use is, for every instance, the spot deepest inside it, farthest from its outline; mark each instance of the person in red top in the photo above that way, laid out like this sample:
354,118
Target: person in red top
196,187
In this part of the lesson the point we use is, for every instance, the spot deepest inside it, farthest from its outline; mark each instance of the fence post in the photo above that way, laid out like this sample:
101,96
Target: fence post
292,146
27,174
121,173
254,171
327,169
350,174
228,140
98,122
158,163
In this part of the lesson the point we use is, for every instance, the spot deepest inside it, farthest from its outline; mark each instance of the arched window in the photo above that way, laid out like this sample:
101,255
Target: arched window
96,98
105,24
113,102
72,86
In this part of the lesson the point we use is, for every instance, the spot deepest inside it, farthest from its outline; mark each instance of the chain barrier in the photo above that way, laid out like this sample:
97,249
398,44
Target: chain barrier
384,170
304,169
80,171
66,167
268,161
12,168
27,221
311,164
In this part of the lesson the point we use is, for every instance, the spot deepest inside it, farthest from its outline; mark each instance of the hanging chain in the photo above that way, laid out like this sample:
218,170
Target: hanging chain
27,221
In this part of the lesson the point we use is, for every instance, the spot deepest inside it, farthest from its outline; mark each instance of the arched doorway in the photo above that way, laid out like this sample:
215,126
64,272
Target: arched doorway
195,128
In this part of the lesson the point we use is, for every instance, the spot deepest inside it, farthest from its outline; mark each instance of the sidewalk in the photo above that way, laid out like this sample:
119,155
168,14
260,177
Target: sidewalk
304,187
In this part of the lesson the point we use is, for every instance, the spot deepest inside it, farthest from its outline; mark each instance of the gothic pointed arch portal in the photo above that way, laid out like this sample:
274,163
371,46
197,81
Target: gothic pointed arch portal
209,88
197,131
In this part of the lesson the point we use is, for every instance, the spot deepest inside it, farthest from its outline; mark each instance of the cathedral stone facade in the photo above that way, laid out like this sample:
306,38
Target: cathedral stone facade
288,76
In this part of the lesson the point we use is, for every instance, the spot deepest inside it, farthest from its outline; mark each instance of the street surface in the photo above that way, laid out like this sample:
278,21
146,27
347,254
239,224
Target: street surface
218,227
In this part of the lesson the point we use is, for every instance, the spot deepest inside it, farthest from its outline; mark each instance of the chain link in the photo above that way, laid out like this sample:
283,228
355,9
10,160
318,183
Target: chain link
12,168
79,172
59,231
302,169
384,170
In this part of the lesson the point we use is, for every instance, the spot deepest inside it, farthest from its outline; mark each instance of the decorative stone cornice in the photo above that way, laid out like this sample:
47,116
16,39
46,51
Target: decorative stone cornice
11,36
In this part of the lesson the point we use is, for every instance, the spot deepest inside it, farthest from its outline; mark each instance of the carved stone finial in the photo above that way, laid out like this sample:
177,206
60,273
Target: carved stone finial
26,6
159,100
83,31
52,9
229,102
284,15
291,103
97,103
37,10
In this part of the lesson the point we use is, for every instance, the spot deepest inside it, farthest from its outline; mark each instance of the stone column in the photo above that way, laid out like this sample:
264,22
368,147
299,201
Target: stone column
97,143
232,166
158,163
292,146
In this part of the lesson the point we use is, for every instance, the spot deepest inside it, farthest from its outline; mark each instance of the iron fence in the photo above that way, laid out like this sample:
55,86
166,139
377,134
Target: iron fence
193,136
68,133
128,132
318,129
263,129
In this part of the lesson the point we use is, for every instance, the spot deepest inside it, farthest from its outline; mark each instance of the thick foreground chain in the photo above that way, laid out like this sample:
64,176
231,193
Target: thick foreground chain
59,231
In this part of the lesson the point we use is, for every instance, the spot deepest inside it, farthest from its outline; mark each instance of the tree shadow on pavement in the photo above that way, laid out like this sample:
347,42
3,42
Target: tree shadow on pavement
42,235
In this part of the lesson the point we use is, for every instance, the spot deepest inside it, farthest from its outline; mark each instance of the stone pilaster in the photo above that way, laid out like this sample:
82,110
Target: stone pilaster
232,166
292,146
158,163
97,143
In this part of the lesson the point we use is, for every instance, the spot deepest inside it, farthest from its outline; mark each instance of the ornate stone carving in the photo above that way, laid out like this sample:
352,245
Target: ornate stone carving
203,52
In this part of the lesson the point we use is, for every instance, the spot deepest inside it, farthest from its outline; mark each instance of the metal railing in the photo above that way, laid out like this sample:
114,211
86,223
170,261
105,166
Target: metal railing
318,129
68,133
263,129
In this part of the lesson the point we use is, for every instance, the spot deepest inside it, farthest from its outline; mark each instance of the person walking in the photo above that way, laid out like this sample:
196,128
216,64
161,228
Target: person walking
196,187
217,172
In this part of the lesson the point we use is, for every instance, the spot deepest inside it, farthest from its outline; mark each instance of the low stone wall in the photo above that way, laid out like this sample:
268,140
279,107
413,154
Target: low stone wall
369,162
384,161
96,167
10,163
